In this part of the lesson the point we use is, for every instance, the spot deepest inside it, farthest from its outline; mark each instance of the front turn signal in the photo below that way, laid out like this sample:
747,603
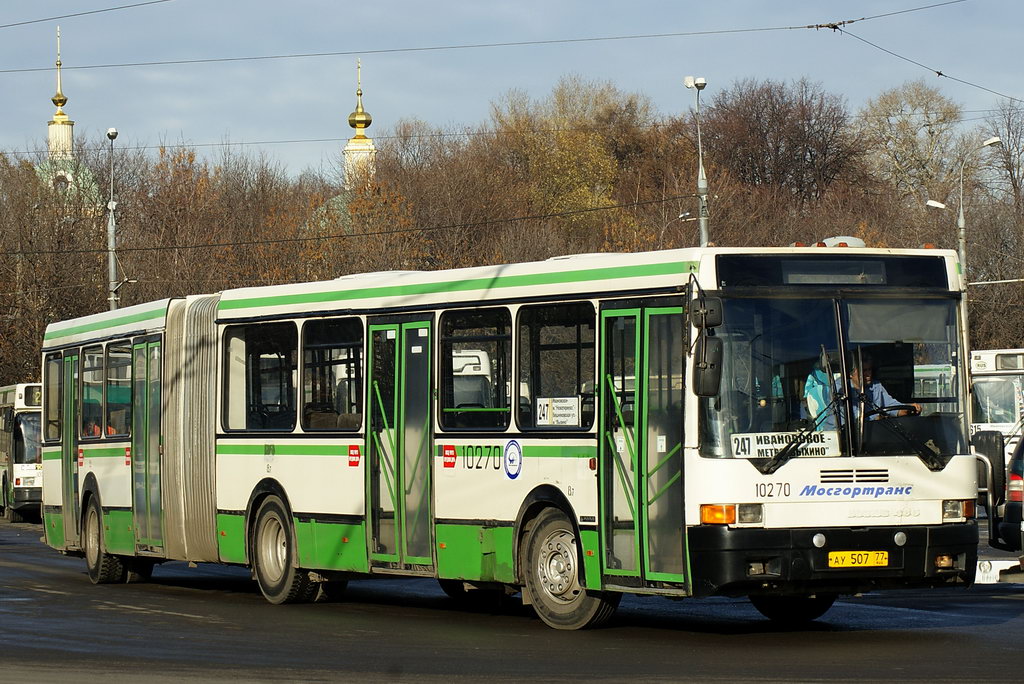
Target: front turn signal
718,514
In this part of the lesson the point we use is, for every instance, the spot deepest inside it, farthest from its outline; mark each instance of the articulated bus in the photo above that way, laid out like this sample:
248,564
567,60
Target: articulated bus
570,430
21,464
997,389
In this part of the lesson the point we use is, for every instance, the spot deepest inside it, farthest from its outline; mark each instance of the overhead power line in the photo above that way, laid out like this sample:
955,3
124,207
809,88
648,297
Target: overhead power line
82,14
476,46
344,236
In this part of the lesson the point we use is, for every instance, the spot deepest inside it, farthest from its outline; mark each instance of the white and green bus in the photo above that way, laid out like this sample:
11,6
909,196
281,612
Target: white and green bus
21,465
997,391
641,426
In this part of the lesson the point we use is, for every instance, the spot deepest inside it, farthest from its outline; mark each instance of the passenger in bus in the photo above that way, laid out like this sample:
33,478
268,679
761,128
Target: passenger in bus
91,429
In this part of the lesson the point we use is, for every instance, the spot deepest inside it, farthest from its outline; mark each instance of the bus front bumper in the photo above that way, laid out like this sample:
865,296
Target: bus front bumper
27,497
736,562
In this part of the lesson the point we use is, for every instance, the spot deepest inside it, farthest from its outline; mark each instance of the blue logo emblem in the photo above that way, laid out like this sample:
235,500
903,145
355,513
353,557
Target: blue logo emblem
513,459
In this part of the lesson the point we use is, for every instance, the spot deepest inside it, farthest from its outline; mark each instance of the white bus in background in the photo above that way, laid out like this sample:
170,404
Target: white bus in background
570,430
997,379
21,466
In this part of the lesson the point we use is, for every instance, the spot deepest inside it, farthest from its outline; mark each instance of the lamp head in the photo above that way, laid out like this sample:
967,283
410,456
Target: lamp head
111,133
994,140
691,82
935,204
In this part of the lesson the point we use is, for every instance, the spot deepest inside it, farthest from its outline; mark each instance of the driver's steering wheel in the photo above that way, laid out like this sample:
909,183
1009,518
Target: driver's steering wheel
909,408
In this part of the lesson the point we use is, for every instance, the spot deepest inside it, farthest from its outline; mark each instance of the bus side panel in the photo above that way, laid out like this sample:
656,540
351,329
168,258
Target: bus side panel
110,467
331,546
322,481
477,552
479,492
53,498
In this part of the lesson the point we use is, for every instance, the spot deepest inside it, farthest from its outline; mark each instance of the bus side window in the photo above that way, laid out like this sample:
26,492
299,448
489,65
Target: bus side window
260,367
92,393
476,364
556,366
53,379
118,388
332,375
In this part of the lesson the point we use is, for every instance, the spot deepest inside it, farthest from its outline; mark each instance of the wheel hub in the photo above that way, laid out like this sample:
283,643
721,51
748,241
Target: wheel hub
557,567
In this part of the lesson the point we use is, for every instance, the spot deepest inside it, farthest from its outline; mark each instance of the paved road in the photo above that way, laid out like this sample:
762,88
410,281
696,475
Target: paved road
211,622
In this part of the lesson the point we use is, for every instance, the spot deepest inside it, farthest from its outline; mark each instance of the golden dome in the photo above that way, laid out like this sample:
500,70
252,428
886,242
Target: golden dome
360,118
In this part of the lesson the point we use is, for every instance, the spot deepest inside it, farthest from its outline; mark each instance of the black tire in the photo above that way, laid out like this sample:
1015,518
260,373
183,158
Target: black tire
793,610
103,568
551,568
273,551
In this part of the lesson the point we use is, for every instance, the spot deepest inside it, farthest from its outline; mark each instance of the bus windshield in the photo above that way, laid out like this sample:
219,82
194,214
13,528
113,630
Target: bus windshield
998,399
28,448
784,366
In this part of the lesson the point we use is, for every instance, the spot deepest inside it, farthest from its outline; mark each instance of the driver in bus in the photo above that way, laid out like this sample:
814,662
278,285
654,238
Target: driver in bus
874,392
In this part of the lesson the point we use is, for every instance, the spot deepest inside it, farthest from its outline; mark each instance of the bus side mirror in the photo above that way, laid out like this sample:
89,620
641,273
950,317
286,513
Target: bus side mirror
990,444
707,366
706,312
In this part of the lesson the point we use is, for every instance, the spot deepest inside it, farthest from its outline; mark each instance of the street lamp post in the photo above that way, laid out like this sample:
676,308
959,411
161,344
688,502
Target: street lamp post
113,280
961,225
698,84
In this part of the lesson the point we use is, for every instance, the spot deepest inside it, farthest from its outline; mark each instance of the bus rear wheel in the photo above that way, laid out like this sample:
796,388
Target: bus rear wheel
273,550
104,568
793,610
552,576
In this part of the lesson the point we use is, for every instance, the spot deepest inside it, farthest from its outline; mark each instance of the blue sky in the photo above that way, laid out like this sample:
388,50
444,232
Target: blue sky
310,98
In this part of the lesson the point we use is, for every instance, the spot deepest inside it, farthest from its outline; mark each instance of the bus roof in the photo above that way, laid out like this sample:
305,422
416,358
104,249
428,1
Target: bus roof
136,319
584,274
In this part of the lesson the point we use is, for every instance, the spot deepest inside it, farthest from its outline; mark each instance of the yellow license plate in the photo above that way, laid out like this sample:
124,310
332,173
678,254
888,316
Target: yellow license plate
858,559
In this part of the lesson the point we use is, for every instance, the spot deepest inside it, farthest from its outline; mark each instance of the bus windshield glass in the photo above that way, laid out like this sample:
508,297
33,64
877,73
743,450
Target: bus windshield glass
784,366
28,447
998,399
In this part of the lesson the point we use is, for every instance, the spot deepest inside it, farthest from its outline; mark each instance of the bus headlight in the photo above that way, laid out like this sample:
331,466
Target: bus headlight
957,509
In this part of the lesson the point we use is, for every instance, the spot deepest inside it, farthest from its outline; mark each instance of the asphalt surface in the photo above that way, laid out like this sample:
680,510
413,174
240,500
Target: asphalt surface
211,623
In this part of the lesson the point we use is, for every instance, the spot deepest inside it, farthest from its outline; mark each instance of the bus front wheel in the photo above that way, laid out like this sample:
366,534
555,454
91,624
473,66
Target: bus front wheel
552,576
793,609
103,567
273,549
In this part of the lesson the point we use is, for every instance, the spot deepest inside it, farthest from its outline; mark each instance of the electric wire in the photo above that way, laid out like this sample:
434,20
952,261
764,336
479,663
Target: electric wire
82,14
344,236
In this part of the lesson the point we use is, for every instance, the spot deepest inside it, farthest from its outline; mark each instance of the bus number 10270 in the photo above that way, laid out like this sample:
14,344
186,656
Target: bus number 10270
768,490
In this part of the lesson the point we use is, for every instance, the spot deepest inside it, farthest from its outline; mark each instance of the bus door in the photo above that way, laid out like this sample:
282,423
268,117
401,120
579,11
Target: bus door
147,445
398,440
69,452
641,444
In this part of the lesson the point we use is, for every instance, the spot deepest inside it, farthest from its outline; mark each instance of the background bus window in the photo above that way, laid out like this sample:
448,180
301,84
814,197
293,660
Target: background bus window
332,375
556,366
53,379
119,388
476,359
260,368
92,393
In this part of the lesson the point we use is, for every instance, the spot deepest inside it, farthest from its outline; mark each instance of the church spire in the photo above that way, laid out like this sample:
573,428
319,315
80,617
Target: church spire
60,133
360,151
359,119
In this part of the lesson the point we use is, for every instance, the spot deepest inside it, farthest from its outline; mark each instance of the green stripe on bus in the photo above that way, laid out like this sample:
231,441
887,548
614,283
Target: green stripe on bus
283,449
331,546
51,455
107,323
102,452
524,280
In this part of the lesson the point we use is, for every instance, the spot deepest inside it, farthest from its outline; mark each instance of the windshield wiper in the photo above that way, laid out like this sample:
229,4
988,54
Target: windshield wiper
790,448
